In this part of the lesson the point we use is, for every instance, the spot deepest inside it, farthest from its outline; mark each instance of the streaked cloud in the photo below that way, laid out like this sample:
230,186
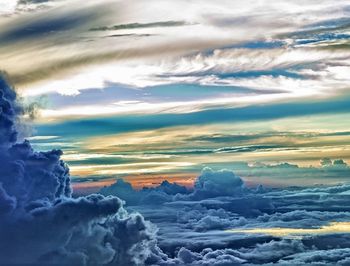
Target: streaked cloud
179,57
140,25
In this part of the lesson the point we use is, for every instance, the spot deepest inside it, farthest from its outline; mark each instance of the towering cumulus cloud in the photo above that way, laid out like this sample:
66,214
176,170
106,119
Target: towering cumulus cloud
40,223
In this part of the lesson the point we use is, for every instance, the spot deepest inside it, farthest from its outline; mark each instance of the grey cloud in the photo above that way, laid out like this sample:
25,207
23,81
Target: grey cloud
34,1
272,251
220,183
209,257
137,25
301,218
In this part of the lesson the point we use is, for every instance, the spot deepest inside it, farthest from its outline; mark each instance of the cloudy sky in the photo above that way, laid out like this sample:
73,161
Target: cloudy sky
153,90
170,133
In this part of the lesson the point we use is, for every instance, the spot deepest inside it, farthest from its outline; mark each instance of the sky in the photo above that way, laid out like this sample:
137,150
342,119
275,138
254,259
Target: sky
170,133
149,90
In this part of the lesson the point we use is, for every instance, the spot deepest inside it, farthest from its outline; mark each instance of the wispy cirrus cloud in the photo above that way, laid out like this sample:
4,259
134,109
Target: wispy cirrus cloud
158,33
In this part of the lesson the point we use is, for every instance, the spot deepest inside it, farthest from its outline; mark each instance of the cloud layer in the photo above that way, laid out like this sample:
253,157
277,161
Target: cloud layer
222,222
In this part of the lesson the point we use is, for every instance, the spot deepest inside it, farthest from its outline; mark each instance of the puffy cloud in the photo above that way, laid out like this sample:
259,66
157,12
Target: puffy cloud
9,110
159,194
260,254
301,218
123,190
7,203
272,251
320,257
209,257
201,219
214,184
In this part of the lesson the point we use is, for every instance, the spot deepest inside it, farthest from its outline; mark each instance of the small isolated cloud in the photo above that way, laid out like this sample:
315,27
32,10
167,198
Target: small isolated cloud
213,184
140,25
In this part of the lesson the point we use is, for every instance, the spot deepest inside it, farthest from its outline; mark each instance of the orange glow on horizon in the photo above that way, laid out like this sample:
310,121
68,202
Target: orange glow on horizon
140,181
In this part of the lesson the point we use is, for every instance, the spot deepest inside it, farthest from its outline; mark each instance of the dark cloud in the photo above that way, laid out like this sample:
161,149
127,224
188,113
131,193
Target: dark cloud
34,1
45,26
9,111
128,35
141,25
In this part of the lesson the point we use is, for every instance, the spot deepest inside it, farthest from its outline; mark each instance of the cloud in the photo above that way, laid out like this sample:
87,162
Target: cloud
201,219
43,27
213,184
9,110
238,59
141,25
209,257
221,190
8,203
159,194
208,185
319,257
